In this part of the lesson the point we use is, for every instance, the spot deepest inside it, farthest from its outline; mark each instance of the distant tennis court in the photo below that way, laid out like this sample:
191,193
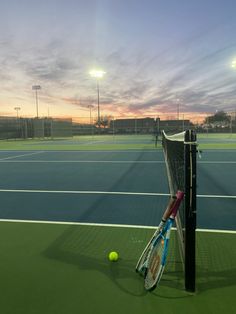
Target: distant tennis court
66,204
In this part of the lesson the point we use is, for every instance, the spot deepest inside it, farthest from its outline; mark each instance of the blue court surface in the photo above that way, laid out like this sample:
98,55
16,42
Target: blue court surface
114,187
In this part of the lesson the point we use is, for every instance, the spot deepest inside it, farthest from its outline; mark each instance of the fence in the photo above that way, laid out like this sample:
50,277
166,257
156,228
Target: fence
16,128
13,128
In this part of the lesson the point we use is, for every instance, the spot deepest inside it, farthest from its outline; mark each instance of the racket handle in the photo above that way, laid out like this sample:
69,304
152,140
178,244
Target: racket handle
179,197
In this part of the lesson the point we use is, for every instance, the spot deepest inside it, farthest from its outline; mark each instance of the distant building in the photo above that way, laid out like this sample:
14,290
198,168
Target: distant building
175,126
134,125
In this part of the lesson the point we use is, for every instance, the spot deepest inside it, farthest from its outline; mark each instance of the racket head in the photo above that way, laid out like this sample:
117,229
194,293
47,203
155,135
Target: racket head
155,266
157,257
141,266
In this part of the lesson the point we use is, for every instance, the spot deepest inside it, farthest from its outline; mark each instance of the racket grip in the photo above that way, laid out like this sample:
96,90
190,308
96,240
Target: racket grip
179,197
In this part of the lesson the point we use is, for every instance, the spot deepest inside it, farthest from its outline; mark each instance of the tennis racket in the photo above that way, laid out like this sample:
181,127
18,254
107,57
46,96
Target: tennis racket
141,266
156,260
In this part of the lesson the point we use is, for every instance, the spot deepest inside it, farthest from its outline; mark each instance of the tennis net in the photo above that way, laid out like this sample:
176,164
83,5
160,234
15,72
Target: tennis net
180,158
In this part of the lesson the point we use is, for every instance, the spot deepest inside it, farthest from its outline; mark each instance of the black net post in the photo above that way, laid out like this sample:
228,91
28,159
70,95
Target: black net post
190,210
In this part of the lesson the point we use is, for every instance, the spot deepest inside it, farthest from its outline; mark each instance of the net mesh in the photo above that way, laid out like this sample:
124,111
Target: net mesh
179,152
173,147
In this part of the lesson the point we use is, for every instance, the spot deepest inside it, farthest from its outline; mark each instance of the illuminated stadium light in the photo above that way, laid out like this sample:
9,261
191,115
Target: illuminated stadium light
98,74
233,64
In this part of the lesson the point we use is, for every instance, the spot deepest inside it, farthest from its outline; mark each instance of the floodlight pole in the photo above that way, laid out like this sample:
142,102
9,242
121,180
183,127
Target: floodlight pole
90,117
36,88
99,120
90,113
98,74
178,100
17,110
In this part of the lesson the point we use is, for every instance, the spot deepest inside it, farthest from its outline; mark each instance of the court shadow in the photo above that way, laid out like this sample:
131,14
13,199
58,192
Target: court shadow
216,261
207,280
87,247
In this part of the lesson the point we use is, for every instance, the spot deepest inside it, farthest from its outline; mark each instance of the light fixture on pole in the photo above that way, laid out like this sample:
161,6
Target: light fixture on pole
90,117
17,110
178,100
98,74
36,88
90,113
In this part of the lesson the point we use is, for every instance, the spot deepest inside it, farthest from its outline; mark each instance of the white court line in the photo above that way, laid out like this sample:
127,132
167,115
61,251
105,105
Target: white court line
83,192
104,225
108,193
216,196
28,154
102,161
90,151
216,231
84,161
216,162
213,151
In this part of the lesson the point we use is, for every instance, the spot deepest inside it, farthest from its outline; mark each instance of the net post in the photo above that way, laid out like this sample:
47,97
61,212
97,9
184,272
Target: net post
190,210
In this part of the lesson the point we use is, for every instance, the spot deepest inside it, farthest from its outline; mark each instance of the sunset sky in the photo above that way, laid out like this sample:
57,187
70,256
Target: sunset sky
156,54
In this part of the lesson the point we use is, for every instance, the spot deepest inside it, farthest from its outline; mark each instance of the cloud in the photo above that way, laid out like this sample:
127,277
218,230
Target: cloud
137,80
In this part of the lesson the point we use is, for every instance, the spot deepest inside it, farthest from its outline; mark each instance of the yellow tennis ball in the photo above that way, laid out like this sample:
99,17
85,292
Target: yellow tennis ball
113,256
